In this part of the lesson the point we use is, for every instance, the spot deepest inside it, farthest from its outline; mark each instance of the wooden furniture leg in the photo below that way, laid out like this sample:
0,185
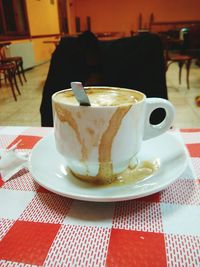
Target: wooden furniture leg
188,64
180,64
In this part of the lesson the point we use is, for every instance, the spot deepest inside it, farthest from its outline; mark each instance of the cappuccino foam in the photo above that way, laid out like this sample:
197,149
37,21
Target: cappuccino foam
102,97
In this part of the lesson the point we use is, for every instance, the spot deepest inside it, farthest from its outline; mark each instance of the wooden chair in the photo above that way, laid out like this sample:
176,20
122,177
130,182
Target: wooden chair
18,62
176,57
8,69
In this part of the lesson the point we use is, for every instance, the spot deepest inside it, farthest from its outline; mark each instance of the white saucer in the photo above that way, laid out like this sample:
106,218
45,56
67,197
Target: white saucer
48,170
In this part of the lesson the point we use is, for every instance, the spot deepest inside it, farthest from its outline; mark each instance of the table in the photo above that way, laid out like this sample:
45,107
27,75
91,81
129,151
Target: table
54,42
39,228
109,36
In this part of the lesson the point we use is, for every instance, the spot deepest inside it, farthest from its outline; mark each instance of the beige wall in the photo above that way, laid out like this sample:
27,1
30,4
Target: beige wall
43,19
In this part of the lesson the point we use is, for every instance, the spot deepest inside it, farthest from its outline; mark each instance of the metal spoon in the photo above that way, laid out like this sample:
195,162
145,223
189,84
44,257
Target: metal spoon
80,93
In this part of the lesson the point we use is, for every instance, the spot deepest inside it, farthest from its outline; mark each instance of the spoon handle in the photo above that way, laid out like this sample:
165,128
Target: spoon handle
80,93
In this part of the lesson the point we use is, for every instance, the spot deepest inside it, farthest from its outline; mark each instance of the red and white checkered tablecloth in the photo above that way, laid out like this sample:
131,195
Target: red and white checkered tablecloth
40,228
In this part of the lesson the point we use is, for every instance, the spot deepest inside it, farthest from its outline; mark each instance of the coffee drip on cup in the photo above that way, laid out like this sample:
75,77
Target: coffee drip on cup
80,94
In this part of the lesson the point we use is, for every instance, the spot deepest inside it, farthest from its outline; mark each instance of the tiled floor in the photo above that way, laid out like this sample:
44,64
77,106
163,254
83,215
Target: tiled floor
26,110
187,112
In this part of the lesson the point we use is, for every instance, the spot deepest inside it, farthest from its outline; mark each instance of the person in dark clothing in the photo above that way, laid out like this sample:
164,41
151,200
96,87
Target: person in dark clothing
135,62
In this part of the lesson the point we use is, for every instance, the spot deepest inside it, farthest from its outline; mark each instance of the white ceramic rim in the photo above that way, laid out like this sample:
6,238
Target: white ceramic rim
101,87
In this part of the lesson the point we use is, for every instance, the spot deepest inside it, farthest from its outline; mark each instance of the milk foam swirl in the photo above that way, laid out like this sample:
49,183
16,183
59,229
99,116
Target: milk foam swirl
102,97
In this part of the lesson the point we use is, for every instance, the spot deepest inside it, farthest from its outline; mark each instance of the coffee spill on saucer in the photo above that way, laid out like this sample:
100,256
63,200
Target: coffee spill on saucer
66,116
139,172
134,173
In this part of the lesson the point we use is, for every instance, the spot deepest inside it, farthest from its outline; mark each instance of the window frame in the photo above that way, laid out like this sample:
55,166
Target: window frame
5,34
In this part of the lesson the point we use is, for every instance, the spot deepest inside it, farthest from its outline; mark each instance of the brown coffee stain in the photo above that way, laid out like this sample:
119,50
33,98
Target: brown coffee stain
105,147
105,173
90,131
78,114
65,115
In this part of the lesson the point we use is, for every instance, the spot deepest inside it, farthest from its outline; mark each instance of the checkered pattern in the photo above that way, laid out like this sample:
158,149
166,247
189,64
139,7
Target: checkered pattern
39,228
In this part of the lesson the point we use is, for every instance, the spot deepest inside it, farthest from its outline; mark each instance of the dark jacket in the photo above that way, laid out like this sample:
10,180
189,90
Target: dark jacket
134,62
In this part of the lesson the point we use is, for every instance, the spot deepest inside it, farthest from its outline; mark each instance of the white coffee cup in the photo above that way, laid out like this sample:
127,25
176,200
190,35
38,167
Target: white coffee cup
99,141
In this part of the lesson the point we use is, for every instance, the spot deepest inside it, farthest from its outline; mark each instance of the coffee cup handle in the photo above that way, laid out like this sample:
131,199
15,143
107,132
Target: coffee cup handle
152,130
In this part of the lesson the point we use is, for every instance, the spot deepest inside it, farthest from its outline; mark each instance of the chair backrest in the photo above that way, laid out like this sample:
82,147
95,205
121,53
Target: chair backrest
193,41
2,53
